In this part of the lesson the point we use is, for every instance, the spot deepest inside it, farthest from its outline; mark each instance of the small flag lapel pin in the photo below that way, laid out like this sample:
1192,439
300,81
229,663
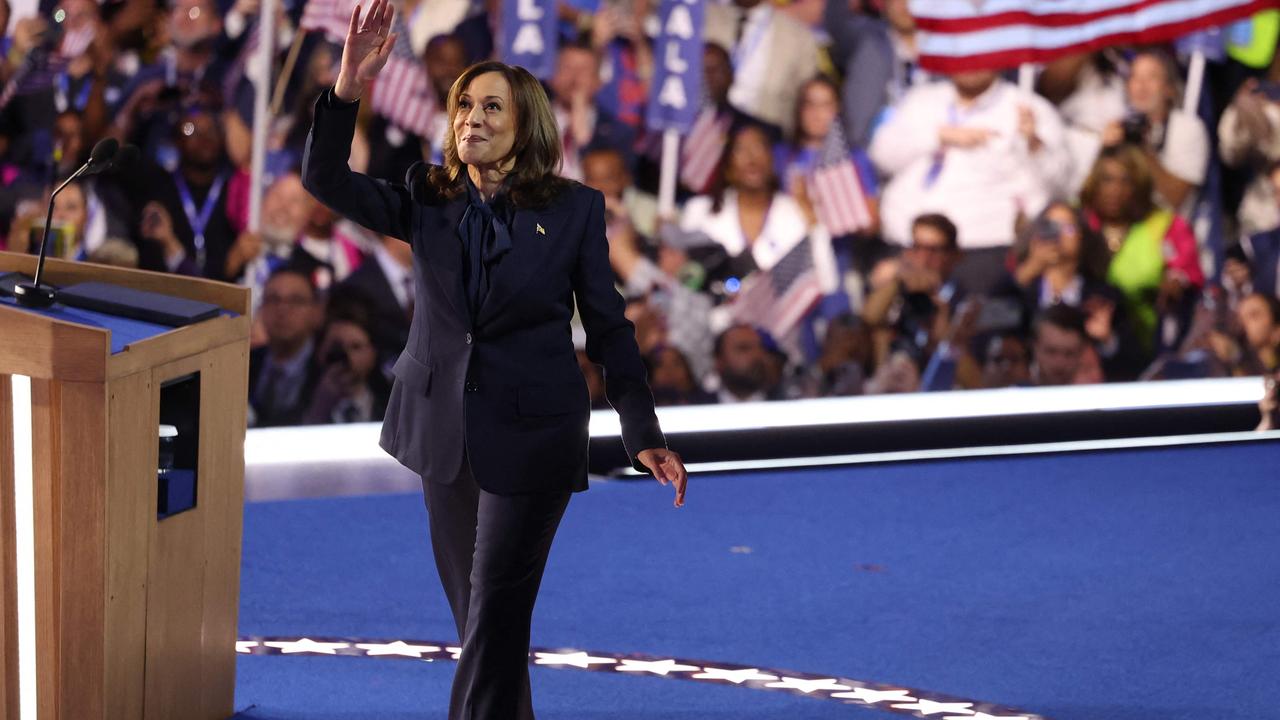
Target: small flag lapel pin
540,230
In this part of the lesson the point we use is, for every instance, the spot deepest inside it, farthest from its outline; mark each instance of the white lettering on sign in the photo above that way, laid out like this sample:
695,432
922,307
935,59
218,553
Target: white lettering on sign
680,23
528,39
528,10
673,94
673,62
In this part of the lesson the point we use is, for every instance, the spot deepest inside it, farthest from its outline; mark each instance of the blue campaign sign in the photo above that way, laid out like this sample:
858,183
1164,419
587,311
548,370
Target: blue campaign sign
529,35
675,94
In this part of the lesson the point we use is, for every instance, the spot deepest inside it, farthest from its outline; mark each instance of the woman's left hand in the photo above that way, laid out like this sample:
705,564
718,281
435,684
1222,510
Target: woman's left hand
667,467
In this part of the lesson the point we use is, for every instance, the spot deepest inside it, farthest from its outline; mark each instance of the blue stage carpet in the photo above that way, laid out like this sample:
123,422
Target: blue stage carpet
1125,585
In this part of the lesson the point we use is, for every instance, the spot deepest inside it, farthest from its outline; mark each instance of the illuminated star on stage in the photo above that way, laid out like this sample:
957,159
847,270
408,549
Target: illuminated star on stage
245,646
576,659
308,645
399,647
929,707
808,686
984,716
737,677
871,697
657,667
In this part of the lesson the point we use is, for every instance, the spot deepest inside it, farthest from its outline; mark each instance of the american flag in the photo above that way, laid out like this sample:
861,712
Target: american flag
402,92
839,199
958,35
776,299
702,148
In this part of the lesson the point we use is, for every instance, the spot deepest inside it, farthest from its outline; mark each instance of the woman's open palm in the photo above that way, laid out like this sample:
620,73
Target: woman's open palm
369,42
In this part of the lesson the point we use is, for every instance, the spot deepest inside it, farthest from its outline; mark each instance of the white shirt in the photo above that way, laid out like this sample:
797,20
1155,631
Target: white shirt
785,225
1185,153
981,189
1097,101
399,277
751,59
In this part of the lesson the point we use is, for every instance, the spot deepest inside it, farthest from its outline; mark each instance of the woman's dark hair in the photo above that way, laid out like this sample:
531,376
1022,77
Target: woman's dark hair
1095,256
721,183
943,225
534,181
1134,162
796,138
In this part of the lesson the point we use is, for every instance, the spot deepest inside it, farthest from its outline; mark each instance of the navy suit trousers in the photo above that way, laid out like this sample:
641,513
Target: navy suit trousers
490,551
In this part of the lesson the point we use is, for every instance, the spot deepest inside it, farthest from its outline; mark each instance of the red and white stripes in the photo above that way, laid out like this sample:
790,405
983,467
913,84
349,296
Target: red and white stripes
958,35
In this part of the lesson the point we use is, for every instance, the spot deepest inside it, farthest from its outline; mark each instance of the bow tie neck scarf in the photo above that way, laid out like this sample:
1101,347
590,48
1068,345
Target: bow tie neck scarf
486,237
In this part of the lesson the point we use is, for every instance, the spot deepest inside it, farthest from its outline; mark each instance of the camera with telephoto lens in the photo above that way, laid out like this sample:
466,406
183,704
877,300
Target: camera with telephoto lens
1136,126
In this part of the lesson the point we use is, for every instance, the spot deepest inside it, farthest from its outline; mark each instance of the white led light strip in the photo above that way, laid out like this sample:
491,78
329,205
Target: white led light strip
24,542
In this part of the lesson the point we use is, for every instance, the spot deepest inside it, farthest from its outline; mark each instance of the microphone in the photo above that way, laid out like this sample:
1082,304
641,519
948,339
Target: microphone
34,294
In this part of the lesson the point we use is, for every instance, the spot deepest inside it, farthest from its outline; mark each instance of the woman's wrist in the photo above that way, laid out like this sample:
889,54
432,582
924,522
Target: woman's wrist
347,91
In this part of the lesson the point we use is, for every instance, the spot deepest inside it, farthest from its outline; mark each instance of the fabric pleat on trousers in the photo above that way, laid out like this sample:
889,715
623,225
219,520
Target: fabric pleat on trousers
490,551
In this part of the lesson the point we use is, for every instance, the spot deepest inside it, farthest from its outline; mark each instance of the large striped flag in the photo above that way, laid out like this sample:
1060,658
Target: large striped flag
402,93
958,35
701,150
778,298
839,199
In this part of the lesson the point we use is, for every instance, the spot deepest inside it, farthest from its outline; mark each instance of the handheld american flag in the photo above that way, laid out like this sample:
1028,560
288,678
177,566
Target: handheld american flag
776,299
959,35
839,198
402,92
700,153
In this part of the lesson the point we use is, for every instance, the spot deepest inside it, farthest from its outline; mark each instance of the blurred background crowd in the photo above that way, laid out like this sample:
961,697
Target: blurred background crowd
846,221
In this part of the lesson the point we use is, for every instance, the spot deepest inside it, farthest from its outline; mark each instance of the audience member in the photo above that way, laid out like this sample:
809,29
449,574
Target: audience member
583,125
350,386
282,373
879,60
1154,258
1175,142
671,378
1260,253
977,150
1089,92
386,280
1059,347
1249,140
1259,318
742,365
1006,361
770,51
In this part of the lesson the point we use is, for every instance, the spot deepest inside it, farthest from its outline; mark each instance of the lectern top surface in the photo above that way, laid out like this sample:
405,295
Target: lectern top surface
124,331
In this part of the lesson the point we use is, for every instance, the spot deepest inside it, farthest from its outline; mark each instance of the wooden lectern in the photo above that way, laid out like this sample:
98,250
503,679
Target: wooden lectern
135,614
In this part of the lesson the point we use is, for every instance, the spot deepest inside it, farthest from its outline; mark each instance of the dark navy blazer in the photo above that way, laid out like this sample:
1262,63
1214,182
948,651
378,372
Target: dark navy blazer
507,387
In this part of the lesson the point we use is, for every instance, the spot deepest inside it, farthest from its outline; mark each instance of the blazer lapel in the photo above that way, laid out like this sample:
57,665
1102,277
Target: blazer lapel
443,251
533,233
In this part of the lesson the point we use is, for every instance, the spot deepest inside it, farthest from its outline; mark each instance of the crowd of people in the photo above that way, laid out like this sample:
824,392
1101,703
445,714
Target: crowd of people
984,236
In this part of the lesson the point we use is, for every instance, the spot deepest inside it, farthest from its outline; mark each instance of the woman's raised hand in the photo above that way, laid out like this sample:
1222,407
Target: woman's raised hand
368,45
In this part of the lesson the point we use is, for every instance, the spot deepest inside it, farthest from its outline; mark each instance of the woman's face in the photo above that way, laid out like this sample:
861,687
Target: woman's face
750,162
355,342
818,108
1115,190
485,126
69,208
669,371
1148,87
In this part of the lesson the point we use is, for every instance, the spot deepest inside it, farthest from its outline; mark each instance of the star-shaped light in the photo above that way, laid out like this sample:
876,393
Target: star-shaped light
399,648
454,652
308,645
807,686
871,696
984,716
576,659
929,707
737,677
246,646
657,667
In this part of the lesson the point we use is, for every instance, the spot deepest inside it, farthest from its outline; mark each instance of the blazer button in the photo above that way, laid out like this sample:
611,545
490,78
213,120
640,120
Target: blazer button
468,338
472,387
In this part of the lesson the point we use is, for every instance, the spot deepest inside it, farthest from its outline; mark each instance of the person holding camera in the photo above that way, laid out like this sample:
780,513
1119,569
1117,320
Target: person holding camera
1061,260
1249,141
1175,142
351,387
